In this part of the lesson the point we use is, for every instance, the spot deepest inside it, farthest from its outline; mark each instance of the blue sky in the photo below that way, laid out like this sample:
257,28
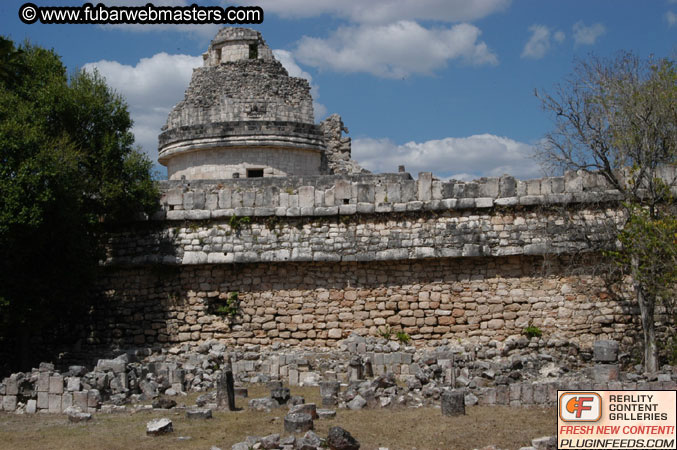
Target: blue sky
437,85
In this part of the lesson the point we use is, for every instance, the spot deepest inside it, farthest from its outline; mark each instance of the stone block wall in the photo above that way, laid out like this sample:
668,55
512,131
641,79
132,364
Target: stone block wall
313,259
224,162
320,303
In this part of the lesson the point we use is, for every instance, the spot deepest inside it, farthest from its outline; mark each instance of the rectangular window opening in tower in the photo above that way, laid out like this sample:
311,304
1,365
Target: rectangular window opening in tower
218,55
253,51
254,173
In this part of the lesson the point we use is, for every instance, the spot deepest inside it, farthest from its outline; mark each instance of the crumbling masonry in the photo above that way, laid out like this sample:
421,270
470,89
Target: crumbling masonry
265,207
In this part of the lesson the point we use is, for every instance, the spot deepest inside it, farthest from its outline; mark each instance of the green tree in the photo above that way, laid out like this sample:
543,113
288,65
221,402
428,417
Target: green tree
68,168
618,118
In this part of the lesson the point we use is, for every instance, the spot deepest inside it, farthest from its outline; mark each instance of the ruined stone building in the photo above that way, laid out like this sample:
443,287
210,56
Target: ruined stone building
266,216
244,116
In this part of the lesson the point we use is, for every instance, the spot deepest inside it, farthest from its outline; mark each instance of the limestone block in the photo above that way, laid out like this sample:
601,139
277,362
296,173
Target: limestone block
392,193
357,403
212,201
437,190
56,384
408,191
527,394
264,211
329,197
31,406
80,399
573,182
157,427
347,209
465,203
383,207
489,188
199,413
424,186
306,196
195,258
54,403
66,400
298,422
601,373
521,188
271,197
506,201
43,400
284,200
484,202
225,198
319,197
365,208
72,384
175,196
529,200
540,393
414,206
605,351
293,200
533,187
11,386
380,193
43,382
365,193
93,398
342,191
308,408
194,200
176,215
293,377
453,403
196,214
249,198
236,199
326,211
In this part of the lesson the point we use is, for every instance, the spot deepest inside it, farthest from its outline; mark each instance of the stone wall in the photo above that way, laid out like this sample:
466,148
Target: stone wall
228,92
310,303
367,218
313,259
224,162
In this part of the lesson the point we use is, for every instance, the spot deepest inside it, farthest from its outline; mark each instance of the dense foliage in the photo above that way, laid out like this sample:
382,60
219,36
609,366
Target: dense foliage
67,168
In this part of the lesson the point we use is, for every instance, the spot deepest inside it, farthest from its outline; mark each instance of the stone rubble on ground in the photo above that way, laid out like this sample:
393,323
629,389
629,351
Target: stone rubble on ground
157,427
516,372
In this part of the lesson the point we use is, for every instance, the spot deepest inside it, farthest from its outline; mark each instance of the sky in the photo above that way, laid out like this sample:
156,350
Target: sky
445,86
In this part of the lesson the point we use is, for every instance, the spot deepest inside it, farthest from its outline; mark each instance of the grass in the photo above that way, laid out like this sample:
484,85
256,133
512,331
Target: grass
422,428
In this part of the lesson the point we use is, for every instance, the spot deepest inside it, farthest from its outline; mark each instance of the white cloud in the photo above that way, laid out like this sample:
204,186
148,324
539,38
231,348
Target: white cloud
287,60
559,36
384,11
461,158
151,89
587,35
539,42
671,17
395,50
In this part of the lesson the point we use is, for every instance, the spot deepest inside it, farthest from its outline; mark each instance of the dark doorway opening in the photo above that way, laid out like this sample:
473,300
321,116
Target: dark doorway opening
253,51
254,173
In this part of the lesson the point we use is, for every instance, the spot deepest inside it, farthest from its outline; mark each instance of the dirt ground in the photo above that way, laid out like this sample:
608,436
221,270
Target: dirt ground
405,428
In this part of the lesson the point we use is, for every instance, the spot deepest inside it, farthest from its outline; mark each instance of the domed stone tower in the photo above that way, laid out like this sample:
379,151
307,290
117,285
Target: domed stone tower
242,116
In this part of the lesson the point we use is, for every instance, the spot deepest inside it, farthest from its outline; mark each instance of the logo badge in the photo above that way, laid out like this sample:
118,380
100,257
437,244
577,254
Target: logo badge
580,407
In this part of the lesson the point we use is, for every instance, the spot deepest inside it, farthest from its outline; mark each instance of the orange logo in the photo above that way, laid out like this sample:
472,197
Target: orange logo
580,407
577,404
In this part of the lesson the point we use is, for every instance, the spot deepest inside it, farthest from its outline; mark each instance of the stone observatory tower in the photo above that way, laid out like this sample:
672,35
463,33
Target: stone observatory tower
243,116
